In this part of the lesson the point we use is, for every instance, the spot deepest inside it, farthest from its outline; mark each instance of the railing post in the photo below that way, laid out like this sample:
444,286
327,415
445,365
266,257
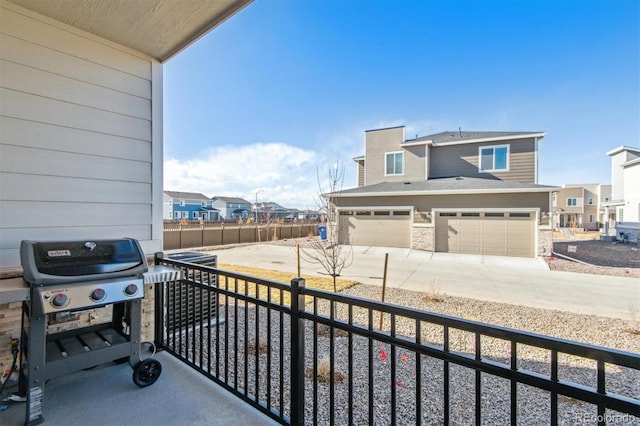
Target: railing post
297,351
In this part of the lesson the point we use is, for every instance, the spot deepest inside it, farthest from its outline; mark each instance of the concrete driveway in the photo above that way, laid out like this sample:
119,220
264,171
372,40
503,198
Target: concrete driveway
517,281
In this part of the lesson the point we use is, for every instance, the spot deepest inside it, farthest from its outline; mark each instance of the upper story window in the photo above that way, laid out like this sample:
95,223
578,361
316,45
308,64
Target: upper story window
573,201
183,203
590,201
394,163
494,158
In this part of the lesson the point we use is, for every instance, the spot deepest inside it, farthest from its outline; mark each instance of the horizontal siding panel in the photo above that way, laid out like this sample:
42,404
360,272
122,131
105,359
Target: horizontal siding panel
462,160
47,136
43,83
58,38
36,108
16,159
22,187
56,62
10,238
35,214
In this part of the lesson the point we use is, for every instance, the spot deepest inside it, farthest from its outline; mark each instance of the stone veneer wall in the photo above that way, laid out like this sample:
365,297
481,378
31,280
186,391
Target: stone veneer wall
422,238
545,242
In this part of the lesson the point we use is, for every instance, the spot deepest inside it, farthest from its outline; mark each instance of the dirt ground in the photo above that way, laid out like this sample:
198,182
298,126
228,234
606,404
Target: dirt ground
603,257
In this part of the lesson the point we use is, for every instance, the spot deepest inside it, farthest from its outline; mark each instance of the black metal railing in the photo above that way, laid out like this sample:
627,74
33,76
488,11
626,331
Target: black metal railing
305,356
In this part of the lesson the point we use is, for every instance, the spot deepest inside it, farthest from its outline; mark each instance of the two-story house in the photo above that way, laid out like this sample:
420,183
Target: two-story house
232,207
625,191
579,206
188,205
460,192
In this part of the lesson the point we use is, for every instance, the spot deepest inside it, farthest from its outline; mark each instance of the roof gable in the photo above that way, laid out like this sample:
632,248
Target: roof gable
187,195
451,137
235,200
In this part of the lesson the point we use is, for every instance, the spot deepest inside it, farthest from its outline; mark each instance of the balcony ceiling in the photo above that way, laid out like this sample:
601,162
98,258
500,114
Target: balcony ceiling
158,28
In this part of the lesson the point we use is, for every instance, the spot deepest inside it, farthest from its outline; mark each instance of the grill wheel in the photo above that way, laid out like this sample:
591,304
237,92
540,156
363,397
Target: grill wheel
147,372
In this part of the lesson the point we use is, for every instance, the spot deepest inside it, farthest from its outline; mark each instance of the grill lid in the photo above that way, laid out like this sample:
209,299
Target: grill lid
55,262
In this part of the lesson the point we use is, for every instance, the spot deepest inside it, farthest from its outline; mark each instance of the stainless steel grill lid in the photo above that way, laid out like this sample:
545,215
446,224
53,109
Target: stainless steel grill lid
56,262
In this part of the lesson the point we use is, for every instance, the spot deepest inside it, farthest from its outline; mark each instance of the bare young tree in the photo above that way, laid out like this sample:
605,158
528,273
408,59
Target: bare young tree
330,253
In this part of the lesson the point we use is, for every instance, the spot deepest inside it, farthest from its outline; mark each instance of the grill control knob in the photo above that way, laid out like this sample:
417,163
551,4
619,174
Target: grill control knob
98,294
131,289
59,300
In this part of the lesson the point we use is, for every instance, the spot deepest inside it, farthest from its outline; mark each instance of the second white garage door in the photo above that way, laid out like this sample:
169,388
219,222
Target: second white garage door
376,228
490,233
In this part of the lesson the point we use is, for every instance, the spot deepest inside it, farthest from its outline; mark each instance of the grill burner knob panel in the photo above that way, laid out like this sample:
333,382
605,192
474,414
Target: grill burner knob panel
131,289
98,294
60,300
87,294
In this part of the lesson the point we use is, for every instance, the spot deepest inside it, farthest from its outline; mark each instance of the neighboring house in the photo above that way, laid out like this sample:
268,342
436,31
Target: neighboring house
625,191
580,206
232,207
270,210
188,205
461,192
81,115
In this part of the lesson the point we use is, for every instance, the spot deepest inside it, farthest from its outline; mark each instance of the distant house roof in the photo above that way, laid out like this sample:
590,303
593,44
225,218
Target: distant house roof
187,195
231,200
454,137
451,185
623,148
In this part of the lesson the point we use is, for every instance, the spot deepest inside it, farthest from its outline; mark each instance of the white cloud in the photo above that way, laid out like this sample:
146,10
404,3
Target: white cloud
276,171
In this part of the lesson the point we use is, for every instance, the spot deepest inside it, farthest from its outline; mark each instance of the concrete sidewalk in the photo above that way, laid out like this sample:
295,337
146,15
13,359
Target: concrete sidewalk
519,281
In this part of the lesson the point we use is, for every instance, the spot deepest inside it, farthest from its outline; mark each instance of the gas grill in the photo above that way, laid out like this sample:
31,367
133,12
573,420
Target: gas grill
67,277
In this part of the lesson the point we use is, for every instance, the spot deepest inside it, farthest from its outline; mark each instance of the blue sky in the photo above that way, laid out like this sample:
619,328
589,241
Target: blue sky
273,97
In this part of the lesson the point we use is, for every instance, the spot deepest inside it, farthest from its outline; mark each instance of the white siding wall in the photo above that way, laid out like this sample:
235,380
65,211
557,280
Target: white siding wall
632,193
80,136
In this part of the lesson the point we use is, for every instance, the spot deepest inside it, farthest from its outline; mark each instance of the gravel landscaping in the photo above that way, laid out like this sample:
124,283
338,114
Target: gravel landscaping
533,405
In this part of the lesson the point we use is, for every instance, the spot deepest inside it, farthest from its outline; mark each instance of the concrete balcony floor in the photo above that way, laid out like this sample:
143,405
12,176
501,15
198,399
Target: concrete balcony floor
106,395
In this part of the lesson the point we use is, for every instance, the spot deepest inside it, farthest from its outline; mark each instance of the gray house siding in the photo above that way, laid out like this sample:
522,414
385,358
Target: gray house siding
462,160
377,144
81,132
360,172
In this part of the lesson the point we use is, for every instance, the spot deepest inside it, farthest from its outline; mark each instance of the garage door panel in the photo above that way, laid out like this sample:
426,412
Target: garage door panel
384,231
496,235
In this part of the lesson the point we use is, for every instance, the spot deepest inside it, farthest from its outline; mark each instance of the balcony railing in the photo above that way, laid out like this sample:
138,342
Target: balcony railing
305,356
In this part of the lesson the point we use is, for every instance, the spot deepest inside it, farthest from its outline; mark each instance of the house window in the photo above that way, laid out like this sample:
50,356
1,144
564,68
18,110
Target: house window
176,215
590,201
572,202
592,218
185,215
494,158
196,215
182,203
394,163
204,204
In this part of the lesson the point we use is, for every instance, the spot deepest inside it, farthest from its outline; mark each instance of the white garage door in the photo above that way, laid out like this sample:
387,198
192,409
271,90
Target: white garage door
381,228
490,233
